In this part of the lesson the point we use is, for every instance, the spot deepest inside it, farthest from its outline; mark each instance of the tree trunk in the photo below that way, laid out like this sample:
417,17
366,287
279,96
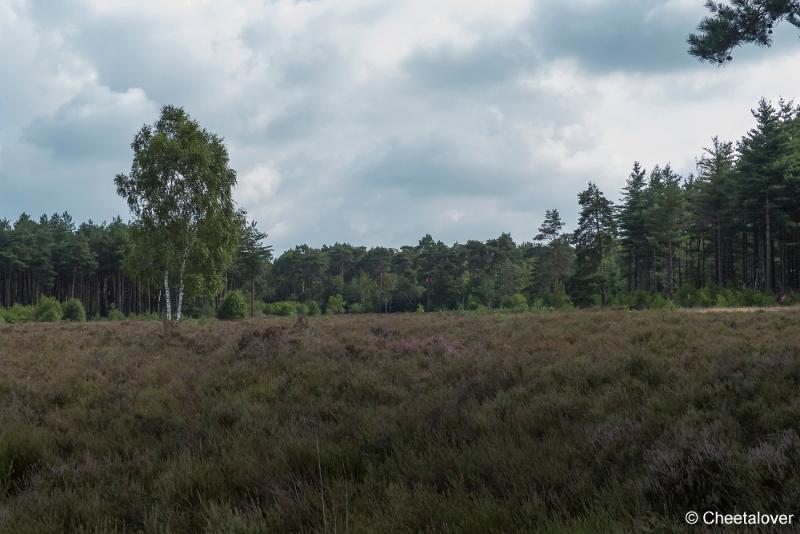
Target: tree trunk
669,269
719,253
767,247
167,300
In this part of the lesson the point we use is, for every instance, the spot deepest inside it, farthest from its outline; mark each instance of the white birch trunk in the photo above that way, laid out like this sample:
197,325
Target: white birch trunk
180,302
180,290
168,301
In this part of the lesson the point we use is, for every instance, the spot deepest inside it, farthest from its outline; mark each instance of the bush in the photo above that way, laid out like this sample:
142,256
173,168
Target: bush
751,297
357,307
18,314
473,303
313,307
558,299
517,302
114,314
640,300
420,308
284,308
233,307
722,297
73,311
47,310
335,304
686,296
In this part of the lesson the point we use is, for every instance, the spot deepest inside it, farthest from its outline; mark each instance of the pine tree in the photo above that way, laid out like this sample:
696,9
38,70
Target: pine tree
665,218
594,245
768,161
632,227
252,258
550,232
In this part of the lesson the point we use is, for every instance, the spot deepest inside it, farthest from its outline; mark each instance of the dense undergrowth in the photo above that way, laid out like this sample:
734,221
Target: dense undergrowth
586,421
235,305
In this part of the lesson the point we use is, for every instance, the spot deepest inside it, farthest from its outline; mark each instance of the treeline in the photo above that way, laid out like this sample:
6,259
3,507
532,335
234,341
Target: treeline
728,235
95,263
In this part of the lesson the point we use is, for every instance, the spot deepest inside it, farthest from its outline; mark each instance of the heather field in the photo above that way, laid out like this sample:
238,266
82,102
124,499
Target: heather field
585,421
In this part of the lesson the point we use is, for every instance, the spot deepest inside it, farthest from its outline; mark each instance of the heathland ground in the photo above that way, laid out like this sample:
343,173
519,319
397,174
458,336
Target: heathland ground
583,421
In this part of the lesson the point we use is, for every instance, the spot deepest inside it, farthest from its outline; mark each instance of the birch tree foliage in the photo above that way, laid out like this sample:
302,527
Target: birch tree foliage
180,192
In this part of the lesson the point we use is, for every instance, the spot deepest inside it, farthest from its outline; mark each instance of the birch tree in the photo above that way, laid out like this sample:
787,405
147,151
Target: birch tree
180,191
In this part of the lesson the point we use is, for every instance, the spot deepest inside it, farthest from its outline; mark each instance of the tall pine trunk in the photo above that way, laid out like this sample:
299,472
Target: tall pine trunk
767,247
669,269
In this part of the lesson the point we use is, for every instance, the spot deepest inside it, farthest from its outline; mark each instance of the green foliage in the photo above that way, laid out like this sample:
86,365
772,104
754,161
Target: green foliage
420,308
114,314
643,300
313,308
285,308
558,299
335,304
711,296
594,243
741,22
48,309
234,307
73,311
517,302
357,307
180,191
18,313
751,297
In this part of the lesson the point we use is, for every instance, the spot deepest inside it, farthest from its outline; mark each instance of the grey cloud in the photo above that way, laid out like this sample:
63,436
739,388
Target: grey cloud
616,34
96,124
483,64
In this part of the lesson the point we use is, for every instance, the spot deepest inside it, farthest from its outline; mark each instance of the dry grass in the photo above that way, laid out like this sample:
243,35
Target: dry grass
560,422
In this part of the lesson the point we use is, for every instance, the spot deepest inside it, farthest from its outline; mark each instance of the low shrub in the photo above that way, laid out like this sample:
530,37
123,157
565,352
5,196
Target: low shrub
22,451
47,310
233,307
313,307
284,308
751,297
335,304
420,308
690,297
517,302
114,314
357,307
72,310
558,299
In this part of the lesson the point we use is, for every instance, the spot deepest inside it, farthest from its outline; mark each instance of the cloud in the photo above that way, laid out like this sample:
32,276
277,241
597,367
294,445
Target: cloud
97,123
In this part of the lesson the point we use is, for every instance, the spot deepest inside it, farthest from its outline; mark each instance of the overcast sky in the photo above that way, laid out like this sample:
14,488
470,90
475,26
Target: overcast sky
371,121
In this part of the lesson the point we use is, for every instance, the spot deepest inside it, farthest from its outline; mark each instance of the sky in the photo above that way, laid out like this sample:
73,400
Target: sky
372,122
